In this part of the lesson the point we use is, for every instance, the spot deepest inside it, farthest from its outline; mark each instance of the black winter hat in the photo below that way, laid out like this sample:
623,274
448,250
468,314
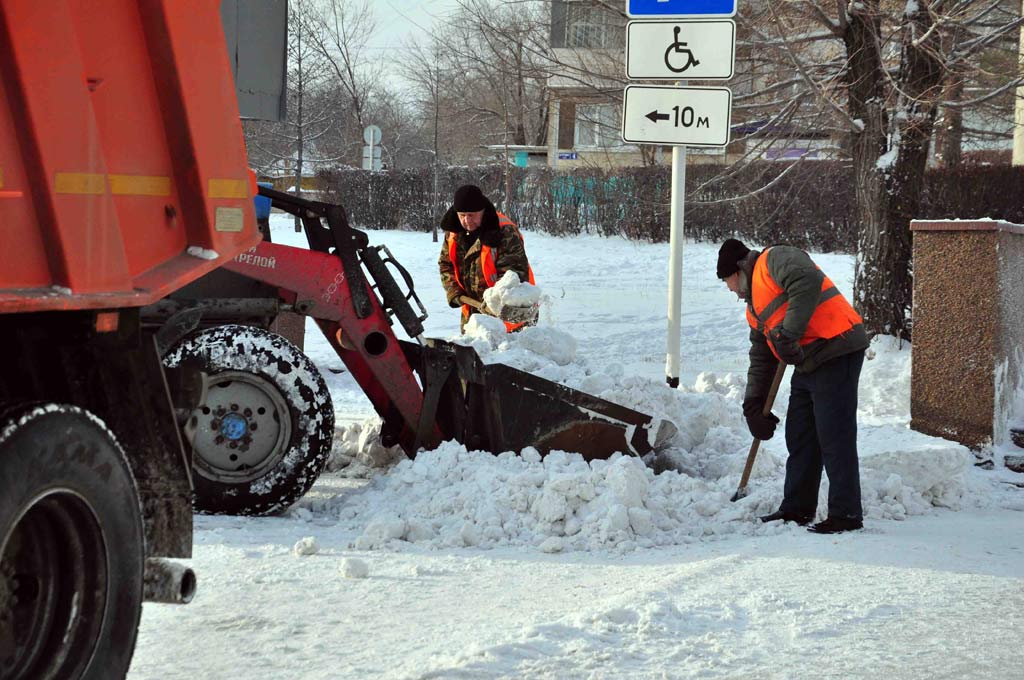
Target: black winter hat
729,255
469,198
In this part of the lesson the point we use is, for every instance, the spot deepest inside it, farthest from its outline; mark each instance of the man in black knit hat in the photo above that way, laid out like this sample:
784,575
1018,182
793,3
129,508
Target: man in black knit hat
798,316
480,246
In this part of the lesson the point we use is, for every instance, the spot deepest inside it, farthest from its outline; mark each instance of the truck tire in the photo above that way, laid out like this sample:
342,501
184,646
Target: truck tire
71,547
264,432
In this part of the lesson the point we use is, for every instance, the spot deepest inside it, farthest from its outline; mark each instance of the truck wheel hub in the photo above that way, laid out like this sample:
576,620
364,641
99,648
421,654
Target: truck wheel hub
242,430
234,426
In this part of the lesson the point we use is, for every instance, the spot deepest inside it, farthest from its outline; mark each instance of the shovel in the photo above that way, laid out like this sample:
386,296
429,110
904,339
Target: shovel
509,313
754,445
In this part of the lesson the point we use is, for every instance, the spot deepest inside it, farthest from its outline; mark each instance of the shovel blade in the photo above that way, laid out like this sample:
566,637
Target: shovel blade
514,314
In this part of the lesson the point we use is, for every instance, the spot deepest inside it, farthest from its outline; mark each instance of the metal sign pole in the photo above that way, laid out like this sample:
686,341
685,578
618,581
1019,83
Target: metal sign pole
675,266
683,40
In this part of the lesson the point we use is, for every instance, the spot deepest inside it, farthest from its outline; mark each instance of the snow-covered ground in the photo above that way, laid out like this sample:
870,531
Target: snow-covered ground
461,564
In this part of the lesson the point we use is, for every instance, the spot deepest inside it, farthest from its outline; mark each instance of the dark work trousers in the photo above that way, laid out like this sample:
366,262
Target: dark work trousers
821,431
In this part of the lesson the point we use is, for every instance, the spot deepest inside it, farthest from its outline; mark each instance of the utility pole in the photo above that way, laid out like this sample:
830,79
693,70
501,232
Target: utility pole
434,212
1018,109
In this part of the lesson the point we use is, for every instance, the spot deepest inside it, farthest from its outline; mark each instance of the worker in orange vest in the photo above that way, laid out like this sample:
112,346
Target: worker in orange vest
798,316
480,246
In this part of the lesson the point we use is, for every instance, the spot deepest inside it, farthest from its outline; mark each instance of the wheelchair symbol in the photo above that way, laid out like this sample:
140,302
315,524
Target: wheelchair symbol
679,48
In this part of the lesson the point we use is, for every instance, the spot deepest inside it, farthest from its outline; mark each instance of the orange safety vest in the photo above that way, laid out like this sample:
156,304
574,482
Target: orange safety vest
769,302
488,256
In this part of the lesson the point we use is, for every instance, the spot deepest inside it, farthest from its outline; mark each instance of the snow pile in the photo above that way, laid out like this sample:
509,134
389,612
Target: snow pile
452,497
358,452
906,473
510,292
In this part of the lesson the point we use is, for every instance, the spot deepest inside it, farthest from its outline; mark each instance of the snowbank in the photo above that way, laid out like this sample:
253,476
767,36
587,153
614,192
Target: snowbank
452,497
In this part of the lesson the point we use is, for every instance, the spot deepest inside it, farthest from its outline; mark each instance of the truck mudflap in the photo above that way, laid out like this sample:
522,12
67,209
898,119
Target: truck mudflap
496,408
429,390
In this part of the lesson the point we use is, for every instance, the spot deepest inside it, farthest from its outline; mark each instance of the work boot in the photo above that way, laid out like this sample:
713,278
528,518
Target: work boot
836,525
798,517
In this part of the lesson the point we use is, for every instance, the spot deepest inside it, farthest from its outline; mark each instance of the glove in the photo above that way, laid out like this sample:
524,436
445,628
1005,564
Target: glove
453,299
761,426
786,346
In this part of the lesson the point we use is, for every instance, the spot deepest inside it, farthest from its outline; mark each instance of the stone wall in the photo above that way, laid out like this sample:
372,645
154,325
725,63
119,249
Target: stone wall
968,327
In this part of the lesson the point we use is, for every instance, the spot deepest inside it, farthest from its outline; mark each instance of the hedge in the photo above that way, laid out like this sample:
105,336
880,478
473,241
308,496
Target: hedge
810,205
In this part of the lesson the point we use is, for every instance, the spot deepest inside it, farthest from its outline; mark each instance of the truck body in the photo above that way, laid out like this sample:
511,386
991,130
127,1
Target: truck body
123,177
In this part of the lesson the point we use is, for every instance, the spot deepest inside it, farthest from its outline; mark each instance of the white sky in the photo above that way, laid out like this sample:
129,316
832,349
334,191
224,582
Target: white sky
399,20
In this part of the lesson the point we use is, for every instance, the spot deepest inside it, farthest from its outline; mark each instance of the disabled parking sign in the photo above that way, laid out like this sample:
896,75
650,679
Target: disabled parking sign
692,49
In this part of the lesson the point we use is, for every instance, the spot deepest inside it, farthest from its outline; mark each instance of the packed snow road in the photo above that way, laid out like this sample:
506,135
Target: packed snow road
460,564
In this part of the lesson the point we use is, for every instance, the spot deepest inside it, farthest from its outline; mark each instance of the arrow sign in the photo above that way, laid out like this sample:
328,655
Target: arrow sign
674,50
659,114
651,9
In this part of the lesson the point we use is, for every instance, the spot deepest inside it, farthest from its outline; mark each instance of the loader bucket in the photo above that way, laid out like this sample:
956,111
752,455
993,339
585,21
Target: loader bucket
498,408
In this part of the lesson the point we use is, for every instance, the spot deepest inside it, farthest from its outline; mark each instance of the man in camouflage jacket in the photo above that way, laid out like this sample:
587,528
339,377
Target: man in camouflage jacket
798,316
475,230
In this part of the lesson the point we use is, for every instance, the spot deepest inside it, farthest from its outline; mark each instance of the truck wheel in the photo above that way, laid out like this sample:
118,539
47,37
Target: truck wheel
263,434
71,547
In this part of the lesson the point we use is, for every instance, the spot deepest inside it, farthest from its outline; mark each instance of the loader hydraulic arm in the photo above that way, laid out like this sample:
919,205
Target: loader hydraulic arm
327,283
426,391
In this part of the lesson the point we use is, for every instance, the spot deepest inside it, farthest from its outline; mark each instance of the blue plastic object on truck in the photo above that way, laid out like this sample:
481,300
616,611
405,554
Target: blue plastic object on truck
263,203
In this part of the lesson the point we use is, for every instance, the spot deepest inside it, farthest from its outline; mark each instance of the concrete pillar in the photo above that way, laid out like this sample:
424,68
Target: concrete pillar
967,373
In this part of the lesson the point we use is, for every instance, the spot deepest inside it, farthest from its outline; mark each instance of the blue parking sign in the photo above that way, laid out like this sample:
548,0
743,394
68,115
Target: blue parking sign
680,8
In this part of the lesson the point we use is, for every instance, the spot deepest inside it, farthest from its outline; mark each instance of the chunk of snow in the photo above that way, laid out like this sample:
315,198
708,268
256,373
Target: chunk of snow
352,567
486,328
510,292
202,253
306,546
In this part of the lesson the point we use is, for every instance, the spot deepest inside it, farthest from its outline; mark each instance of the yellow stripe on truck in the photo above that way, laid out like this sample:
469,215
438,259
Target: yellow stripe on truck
140,185
80,183
228,188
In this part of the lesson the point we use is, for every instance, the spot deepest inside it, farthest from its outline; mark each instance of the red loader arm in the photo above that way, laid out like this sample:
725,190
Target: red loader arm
491,407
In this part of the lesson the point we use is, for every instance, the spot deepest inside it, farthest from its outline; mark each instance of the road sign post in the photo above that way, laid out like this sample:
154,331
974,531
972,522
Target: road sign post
678,116
675,266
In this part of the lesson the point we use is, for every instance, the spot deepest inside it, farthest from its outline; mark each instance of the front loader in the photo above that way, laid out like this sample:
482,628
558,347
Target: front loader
265,397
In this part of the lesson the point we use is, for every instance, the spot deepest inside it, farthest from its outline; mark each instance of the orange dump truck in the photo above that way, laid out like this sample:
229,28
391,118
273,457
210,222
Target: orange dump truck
123,177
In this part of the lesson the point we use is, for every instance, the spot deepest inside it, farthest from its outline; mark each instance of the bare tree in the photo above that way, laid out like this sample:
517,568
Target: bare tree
882,70
341,33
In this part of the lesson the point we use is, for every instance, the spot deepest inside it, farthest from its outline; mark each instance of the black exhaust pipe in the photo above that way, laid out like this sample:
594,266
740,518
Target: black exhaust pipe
168,582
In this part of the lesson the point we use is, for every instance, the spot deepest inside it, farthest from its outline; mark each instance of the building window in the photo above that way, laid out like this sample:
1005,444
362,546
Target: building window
598,125
590,27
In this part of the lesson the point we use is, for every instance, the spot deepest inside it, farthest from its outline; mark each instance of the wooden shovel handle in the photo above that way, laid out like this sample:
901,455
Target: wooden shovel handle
768,403
475,304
